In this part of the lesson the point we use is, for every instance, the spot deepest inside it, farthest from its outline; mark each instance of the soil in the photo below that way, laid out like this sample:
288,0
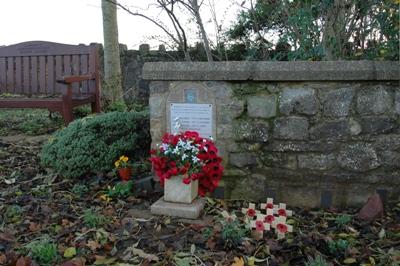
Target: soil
38,205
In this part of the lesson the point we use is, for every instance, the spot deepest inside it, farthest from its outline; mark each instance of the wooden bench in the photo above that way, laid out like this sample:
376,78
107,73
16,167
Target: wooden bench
49,75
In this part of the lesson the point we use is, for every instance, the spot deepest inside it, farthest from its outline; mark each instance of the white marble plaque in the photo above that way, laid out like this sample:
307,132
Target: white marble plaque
193,117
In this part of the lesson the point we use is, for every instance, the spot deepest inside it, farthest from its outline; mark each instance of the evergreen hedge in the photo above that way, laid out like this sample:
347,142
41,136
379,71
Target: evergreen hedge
92,144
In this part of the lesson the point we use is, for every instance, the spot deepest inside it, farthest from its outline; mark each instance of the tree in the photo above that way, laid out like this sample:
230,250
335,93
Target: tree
178,34
319,30
112,68
194,8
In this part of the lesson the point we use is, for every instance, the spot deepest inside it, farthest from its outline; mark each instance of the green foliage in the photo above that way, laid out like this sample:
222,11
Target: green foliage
92,144
338,246
94,219
121,190
232,232
342,220
79,189
13,213
317,261
117,106
43,251
316,30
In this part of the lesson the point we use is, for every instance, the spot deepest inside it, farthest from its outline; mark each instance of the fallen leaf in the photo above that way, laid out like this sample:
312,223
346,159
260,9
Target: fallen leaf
238,262
93,245
382,233
34,227
3,259
104,261
349,261
70,252
133,251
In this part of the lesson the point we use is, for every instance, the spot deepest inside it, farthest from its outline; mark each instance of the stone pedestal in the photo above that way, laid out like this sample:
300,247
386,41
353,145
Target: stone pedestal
176,191
183,210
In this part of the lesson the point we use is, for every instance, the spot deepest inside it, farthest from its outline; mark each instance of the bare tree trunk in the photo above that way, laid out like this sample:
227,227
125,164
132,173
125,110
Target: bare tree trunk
112,68
206,43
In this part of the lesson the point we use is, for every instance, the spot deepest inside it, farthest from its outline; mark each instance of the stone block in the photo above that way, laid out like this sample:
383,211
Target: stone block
301,101
227,112
252,187
337,102
291,128
335,129
251,131
242,159
301,146
387,142
374,101
358,157
176,191
280,160
157,106
182,210
316,161
397,102
376,125
158,87
262,106
390,159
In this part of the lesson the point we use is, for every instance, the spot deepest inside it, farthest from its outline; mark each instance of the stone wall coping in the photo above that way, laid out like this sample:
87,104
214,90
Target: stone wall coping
273,71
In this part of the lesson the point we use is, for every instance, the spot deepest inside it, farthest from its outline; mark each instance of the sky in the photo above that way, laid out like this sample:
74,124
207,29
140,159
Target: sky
80,21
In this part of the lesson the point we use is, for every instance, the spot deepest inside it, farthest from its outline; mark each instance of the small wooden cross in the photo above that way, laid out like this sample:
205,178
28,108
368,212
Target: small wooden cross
229,217
269,218
281,227
260,226
268,205
281,210
251,211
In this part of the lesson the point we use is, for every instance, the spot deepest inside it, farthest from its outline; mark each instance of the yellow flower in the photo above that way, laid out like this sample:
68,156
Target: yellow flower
116,164
122,157
125,159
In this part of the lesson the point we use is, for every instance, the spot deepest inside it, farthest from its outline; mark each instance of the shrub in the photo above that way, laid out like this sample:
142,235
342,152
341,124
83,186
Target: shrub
92,144
43,251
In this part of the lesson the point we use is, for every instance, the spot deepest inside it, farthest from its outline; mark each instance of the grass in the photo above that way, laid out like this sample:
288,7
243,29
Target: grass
28,121
34,122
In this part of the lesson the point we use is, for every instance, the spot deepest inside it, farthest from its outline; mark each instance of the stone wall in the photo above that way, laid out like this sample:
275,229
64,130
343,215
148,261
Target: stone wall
307,133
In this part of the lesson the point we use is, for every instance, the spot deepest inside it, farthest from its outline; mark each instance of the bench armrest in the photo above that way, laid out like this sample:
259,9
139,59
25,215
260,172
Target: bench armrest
71,79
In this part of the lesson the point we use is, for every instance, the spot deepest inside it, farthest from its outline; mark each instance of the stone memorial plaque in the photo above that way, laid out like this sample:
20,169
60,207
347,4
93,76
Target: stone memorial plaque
194,117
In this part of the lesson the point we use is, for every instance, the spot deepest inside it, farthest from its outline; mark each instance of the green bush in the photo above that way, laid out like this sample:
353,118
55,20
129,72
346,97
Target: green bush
92,144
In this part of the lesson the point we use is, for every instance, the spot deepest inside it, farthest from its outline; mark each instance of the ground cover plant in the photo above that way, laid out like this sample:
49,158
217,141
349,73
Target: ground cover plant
48,219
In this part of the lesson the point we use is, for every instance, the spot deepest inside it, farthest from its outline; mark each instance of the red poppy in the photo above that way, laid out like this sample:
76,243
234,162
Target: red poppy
269,219
282,228
282,212
186,180
270,206
251,212
260,226
208,170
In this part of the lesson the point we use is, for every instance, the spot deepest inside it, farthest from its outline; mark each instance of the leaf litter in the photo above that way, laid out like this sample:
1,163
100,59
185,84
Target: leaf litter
88,228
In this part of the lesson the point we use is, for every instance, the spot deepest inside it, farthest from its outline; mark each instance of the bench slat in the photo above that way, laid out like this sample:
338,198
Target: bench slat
84,71
26,69
10,74
3,75
34,75
18,75
50,75
92,69
42,74
75,71
59,74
